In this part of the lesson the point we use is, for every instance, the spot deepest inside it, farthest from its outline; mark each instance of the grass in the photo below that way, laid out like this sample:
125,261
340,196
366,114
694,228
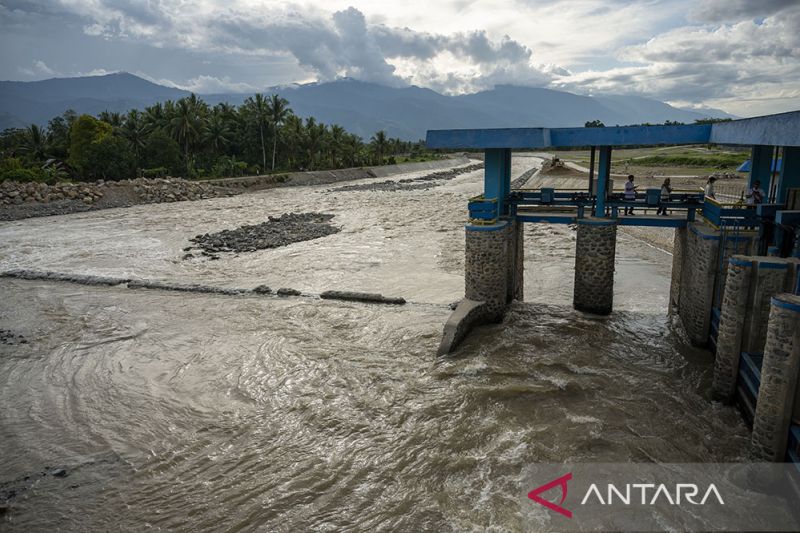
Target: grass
697,156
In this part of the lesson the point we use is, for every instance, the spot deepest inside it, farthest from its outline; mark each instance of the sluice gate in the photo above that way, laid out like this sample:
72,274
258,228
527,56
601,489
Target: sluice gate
735,275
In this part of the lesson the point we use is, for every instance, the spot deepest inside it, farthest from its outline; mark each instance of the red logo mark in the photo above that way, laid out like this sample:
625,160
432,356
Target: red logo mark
558,482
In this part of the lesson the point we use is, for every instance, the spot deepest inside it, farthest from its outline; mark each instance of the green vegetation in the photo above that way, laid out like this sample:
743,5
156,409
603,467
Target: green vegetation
189,138
721,160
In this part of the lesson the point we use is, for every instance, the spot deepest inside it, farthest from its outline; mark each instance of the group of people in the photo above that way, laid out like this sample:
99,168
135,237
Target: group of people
755,194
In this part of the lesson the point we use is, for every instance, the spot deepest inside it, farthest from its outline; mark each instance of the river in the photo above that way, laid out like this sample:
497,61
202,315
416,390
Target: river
202,412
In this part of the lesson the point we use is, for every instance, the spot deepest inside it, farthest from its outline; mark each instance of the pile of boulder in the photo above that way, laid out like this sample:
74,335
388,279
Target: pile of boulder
171,190
14,192
276,231
145,190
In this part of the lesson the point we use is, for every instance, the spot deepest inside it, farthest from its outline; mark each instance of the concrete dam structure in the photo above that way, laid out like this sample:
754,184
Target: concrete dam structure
735,283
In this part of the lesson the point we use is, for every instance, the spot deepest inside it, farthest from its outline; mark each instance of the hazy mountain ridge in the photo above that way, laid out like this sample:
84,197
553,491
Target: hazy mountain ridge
360,107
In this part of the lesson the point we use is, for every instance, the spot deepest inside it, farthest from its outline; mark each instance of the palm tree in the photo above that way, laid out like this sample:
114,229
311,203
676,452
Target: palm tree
216,132
278,111
35,142
135,131
336,140
315,135
113,118
259,112
185,125
380,143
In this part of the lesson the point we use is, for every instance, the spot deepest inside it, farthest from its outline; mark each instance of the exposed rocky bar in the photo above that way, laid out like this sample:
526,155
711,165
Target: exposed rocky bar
277,231
423,182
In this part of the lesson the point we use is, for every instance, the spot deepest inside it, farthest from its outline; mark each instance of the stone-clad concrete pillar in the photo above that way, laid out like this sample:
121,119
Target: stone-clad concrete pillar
770,278
486,267
779,375
678,247
732,318
698,276
493,273
516,267
594,265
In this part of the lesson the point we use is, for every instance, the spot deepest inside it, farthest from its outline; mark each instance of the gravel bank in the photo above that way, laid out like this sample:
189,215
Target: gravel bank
277,231
423,182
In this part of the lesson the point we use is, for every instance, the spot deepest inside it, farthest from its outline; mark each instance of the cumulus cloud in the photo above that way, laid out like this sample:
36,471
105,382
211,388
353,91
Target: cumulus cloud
38,69
744,60
327,45
689,51
727,10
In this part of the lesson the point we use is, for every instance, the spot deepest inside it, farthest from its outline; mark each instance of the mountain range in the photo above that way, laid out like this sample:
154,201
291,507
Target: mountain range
360,107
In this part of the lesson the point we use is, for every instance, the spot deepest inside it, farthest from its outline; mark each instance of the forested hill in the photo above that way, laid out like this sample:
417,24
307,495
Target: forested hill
361,108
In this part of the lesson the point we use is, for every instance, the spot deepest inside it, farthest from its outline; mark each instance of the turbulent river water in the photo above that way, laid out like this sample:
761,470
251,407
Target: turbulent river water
175,411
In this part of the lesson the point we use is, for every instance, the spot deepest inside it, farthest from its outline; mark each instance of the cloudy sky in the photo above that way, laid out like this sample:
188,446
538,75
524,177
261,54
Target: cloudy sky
742,56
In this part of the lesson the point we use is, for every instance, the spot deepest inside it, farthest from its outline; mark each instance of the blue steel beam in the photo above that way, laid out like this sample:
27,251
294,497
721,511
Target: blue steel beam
497,177
760,159
568,137
772,130
789,177
488,138
603,174
630,135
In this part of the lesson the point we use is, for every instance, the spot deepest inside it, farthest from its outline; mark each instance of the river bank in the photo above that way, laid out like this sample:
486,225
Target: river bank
32,199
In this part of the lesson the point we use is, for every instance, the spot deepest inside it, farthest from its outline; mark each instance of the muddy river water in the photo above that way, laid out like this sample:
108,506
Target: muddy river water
175,411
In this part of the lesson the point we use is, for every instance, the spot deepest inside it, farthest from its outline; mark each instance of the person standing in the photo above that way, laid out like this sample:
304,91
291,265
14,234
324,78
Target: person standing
666,189
709,191
755,194
630,194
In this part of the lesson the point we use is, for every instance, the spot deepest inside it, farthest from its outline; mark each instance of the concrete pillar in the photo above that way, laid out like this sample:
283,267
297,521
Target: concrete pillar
770,277
516,255
779,374
678,247
698,276
731,322
486,267
594,265
493,274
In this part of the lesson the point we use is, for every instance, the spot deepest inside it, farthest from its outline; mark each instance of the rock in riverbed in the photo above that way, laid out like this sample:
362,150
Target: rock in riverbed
277,231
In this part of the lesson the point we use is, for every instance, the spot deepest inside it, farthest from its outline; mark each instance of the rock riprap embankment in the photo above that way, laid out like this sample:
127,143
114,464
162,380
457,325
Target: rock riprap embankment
144,190
277,231
423,182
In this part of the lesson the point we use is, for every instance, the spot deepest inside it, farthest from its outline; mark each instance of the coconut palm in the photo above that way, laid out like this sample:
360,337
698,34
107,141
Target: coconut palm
216,132
258,112
185,126
380,143
35,141
278,111
135,131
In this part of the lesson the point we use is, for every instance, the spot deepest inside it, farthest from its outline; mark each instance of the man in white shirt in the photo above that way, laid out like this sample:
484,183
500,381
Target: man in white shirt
710,187
755,194
630,194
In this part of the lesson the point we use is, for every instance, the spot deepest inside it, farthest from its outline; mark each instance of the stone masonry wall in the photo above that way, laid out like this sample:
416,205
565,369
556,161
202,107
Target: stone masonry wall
594,266
698,273
779,375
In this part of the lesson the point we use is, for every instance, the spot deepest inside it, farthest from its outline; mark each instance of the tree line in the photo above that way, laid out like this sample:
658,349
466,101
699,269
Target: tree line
192,139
